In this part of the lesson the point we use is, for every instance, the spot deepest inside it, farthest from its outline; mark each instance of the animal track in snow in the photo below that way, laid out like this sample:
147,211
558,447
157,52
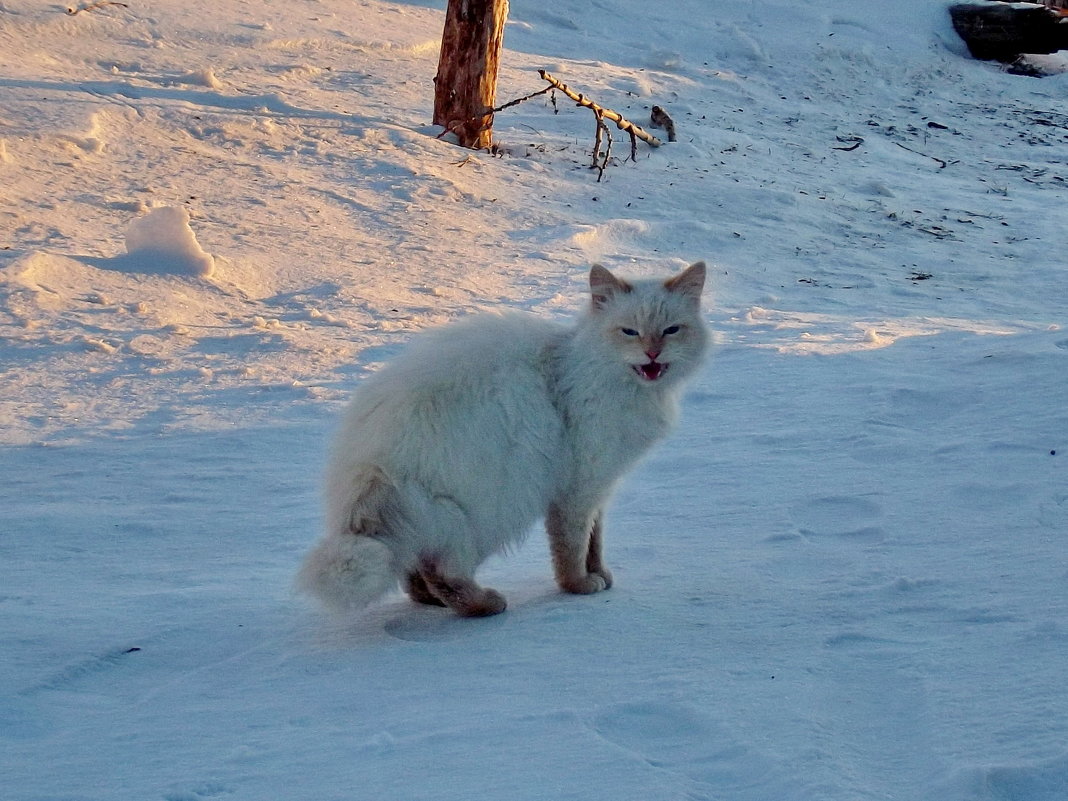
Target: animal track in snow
1042,781
199,792
682,740
840,516
90,667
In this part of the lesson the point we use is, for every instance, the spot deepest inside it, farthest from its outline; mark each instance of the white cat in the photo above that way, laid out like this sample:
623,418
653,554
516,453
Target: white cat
480,428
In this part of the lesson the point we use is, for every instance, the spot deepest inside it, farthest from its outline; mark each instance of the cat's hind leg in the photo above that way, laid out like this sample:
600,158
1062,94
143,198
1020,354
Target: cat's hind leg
459,593
418,591
575,542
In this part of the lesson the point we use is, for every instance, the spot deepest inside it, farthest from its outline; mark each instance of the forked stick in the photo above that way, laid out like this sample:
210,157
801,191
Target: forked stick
621,122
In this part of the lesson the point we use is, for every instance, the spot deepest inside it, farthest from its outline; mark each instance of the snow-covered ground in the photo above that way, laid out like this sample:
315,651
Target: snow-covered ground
845,577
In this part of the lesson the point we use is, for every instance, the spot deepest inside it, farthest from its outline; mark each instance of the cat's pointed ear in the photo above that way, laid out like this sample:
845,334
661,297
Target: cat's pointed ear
689,282
604,285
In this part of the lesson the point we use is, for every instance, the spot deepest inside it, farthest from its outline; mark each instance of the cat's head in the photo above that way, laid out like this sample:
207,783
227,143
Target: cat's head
654,327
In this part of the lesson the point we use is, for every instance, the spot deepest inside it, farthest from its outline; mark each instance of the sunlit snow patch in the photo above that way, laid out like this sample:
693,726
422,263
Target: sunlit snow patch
810,332
163,242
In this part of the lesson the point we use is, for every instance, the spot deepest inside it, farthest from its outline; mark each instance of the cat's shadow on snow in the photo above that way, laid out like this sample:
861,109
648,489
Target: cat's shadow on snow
435,625
401,619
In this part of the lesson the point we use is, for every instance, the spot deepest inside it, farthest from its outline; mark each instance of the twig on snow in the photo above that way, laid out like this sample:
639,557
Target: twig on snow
92,6
941,164
856,140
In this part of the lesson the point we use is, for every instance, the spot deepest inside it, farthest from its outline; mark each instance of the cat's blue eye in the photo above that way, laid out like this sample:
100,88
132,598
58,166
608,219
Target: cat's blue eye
630,332
673,329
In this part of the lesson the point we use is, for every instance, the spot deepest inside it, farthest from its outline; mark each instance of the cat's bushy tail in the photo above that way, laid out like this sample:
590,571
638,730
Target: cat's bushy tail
349,568
347,572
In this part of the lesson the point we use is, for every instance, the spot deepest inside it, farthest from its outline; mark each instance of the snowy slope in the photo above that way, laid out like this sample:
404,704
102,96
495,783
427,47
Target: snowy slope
843,578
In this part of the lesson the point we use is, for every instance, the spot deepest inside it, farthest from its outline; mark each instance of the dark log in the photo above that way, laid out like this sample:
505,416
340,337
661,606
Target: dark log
466,84
1005,32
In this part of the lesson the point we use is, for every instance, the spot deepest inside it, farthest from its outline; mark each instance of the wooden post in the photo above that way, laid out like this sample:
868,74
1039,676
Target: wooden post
466,84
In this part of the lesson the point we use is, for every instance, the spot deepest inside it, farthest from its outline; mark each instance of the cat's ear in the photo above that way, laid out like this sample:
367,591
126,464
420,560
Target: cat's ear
604,285
689,282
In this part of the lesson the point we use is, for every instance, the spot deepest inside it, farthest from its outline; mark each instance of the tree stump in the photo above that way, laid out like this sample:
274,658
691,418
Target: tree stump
466,84
1005,32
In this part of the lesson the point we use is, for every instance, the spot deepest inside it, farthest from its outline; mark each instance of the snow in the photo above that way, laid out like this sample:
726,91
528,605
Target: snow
162,241
844,576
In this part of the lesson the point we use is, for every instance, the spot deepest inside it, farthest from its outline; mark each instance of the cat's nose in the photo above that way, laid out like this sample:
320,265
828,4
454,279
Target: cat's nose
652,353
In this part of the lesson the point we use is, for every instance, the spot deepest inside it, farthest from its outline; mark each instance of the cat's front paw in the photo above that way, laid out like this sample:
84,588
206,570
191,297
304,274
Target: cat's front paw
587,584
605,574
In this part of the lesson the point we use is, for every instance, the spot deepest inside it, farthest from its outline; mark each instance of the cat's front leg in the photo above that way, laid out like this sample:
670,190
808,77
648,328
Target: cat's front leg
576,545
594,561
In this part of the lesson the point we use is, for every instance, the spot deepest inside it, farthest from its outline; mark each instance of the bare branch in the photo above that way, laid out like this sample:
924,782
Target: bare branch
600,160
607,153
492,111
597,139
621,122
602,137
519,100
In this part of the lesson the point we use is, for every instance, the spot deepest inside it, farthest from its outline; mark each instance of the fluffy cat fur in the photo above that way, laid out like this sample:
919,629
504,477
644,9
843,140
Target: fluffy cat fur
480,428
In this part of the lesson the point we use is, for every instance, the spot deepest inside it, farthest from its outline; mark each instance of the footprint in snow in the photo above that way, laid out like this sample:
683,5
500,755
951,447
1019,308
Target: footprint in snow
199,793
1037,781
842,517
684,741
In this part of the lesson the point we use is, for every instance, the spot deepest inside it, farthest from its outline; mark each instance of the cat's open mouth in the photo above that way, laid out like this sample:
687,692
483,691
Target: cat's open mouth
650,371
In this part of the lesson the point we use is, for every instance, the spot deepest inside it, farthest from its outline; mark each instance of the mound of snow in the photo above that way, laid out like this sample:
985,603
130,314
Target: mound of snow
202,77
163,242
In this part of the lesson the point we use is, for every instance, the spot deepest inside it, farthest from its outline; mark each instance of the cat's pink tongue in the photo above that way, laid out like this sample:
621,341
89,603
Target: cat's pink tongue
651,371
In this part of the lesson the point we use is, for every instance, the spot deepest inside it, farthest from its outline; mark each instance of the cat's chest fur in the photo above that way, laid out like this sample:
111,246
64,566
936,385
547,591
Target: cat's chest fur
608,421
